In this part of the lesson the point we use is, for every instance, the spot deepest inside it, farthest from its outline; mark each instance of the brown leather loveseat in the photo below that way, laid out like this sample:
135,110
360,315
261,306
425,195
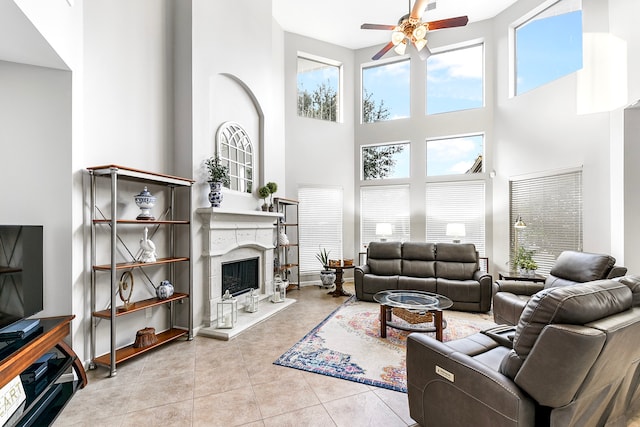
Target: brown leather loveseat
573,361
449,269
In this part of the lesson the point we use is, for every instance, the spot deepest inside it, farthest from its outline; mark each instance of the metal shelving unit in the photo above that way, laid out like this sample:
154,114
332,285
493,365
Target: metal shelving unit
288,255
114,174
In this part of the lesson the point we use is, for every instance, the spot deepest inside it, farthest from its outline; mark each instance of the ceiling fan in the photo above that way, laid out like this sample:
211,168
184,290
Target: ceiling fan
411,29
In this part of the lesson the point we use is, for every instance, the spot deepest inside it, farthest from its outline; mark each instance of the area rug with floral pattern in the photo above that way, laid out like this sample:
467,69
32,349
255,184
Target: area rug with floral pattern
347,345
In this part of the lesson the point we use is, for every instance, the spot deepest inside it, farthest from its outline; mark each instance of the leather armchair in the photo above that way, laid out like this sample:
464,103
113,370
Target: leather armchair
571,267
573,361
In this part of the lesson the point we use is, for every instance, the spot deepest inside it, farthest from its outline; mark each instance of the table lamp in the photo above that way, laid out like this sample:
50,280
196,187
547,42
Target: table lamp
383,230
456,230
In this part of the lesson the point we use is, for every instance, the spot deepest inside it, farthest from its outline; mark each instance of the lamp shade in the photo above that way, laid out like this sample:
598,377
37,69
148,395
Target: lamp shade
384,229
456,229
519,224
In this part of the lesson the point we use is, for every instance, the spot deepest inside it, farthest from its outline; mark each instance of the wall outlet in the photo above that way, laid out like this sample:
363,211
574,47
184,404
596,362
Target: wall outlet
147,313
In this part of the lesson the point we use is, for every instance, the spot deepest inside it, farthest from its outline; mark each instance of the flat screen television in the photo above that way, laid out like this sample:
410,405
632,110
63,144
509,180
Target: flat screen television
21,272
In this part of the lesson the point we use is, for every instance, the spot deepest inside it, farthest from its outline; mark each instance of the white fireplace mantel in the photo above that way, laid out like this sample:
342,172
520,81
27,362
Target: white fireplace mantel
232,235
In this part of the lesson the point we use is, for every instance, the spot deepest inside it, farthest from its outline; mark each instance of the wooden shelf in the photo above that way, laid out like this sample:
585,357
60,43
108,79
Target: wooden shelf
129,351
289,245
9,270
128,265
139,175
288,224
139,305
138,221
290,265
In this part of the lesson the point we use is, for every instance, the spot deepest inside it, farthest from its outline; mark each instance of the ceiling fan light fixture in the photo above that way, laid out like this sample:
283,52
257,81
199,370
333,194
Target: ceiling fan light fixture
397,36
401,48
420,32
420,44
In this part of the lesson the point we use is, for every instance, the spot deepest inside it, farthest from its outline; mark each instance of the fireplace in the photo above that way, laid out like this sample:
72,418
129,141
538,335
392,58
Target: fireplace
238,277
230,237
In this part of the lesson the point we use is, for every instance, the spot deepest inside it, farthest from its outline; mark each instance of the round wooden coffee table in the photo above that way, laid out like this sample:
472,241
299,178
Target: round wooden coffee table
416,302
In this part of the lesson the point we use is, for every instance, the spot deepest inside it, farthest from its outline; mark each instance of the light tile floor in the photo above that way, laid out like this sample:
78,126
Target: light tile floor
208,382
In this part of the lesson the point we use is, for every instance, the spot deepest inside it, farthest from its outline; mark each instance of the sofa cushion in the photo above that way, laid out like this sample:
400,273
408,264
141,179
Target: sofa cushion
375,284
458,290
385,258
456,261
427,284
418,259
573,267
576,305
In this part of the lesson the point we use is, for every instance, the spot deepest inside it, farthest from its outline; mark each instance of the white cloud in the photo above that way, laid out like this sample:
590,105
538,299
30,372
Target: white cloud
460,63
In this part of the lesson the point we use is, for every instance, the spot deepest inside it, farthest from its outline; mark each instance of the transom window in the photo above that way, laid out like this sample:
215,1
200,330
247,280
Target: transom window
386,92
454,156
548,45
455,80
236,151
386,161
318,88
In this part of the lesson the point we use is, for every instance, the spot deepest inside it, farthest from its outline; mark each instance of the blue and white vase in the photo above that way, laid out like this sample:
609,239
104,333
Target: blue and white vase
164,289
215,194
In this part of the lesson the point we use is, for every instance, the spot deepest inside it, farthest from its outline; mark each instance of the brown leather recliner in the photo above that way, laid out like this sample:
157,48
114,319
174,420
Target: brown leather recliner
571,267
573,361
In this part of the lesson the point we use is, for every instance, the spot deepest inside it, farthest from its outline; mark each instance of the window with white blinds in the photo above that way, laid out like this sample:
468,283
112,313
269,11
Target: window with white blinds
551,208
460,202
387,204
320,217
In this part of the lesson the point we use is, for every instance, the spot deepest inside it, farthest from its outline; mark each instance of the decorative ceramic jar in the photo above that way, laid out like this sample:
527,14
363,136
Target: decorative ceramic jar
283,240
145,201
227,311
215,194
279,289
327,277
252,301
164,289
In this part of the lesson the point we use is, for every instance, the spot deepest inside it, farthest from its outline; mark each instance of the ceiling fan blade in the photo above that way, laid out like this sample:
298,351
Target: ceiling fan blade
382,51
377,27
460,21
424,53
418,9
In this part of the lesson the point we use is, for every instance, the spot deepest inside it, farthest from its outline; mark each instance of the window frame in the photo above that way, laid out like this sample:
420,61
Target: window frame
452,137
378,64
227,133
406,144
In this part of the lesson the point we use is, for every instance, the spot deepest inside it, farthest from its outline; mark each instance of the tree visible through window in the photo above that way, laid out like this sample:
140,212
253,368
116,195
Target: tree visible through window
318,89
385,161
385,92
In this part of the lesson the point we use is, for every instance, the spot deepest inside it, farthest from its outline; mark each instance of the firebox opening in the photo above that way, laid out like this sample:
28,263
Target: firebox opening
239,276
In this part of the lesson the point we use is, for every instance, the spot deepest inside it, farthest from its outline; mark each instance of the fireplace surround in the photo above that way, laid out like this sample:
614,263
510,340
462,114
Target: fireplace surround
231,236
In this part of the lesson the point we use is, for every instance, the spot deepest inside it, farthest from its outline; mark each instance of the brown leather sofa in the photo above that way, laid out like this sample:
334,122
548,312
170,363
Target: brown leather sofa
449,269
571,267
573,361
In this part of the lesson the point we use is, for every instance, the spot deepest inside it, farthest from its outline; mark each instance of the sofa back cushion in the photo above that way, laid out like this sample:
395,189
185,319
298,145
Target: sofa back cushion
573,267
418,259
385,258
568,305
456,261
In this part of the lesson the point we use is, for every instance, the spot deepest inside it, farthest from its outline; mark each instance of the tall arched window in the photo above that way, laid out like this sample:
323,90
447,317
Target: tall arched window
236,151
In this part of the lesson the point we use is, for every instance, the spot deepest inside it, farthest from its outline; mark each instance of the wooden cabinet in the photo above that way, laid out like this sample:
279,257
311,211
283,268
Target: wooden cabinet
112,241
47,396
288,251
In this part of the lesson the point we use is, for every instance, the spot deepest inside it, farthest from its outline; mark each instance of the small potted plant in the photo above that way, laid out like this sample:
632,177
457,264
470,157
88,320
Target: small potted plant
327,276
272,187
218,175
525,263
264,192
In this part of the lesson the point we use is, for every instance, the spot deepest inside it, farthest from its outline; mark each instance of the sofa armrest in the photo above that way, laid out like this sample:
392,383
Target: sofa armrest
441,381
358,279
517,287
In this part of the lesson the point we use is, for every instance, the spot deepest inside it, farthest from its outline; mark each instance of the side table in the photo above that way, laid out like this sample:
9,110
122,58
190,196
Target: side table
339,291
514,275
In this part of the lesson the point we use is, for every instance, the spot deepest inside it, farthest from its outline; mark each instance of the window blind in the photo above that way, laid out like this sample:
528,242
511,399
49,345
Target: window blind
456,202
320,216
384,204
551,207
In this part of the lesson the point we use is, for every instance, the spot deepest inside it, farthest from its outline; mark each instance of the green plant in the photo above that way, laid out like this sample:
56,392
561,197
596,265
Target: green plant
323,256
264,192
217,171
272,187
524,259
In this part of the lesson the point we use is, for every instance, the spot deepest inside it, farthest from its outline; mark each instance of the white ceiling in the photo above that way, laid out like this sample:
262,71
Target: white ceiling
338,21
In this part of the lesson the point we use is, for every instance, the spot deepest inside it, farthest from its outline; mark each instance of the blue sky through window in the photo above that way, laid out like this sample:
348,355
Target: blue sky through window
389,83
547,49
453,156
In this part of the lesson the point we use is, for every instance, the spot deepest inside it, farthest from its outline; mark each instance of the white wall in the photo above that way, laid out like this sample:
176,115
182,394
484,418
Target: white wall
35,142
